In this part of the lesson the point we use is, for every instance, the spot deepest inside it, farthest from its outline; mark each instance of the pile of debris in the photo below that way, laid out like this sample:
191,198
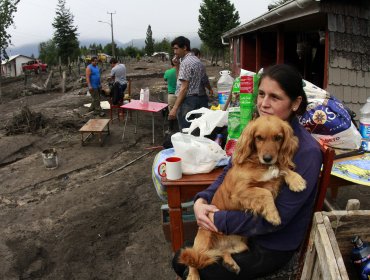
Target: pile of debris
25,122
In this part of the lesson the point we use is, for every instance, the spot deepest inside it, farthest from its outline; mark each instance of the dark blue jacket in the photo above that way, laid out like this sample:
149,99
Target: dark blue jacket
295,208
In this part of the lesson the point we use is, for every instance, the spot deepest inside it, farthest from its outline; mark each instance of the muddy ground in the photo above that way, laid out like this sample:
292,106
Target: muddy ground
68,223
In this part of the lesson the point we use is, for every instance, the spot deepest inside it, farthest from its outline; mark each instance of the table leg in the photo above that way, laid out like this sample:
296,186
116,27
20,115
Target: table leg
336,182
124,127
100,138
137,117
175,210
164,119
153,126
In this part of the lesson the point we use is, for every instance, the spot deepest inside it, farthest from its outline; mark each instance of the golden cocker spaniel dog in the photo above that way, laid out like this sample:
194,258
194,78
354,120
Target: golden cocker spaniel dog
261,162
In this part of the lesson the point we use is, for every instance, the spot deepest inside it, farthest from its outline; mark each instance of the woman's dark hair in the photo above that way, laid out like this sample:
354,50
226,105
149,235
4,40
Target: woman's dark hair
181,42
290,80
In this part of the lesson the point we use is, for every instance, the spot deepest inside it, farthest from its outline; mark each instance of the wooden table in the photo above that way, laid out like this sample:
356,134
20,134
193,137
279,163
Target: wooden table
183,190
95,126
151,107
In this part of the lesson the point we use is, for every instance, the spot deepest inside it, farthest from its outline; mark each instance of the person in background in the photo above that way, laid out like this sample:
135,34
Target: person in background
270,247
118,78
170,76
93,82
196,52
191,95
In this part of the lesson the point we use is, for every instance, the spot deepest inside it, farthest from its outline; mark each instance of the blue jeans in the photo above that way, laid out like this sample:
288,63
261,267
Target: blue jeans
190,103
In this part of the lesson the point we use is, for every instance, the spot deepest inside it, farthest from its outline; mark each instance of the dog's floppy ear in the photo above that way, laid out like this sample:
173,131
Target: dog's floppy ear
245,145
288,147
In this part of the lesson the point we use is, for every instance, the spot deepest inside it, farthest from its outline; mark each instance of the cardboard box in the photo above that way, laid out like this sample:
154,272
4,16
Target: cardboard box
329,249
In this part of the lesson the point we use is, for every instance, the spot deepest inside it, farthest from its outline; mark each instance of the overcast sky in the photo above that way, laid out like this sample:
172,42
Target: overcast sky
168,18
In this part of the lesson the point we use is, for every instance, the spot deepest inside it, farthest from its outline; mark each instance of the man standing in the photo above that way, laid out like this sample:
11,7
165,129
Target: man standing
118,77
170,76
196,52
93,82
191,95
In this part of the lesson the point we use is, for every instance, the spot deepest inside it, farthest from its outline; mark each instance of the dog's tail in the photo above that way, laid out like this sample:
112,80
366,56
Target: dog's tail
199,260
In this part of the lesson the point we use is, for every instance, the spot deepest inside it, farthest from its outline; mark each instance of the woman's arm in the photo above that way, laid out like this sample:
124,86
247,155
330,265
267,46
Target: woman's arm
202,209
288,203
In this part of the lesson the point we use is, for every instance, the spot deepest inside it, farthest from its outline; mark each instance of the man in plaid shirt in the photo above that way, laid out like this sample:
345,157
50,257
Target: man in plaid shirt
190,92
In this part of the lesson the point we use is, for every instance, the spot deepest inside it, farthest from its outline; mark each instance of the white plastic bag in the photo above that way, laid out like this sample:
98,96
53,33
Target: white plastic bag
207,122
198,154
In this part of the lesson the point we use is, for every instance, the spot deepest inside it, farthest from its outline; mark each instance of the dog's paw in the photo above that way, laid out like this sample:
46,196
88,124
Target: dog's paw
296,182
231,266
273,217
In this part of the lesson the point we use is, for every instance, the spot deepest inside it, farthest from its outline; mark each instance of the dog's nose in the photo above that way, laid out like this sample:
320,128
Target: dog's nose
267,158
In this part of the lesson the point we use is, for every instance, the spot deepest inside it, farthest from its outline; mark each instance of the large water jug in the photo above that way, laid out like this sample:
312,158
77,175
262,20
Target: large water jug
365,120
144,96
224,86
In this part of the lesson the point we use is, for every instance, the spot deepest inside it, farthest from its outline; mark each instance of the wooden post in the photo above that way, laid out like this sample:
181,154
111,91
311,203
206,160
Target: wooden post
64,82
258,52
353,204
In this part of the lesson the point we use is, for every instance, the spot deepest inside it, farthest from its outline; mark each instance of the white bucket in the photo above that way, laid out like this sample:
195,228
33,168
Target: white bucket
50,158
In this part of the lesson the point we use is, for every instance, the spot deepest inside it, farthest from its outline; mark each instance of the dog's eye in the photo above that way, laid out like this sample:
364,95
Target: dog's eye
259,138
278,138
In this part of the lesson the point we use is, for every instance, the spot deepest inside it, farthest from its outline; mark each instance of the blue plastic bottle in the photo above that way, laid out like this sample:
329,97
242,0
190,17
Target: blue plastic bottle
361,257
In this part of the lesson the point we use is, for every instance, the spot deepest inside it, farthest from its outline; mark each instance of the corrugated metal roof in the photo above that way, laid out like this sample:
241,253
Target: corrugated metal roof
288,11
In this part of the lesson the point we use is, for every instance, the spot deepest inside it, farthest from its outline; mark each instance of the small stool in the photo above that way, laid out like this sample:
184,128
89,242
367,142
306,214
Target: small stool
95,126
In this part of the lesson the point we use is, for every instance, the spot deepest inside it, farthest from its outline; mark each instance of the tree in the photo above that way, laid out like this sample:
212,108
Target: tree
7,10
163,46
149,41
65,35
48,52
215,18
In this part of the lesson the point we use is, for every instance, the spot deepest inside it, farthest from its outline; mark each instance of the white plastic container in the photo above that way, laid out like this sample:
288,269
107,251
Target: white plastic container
365,120
224,86
144,96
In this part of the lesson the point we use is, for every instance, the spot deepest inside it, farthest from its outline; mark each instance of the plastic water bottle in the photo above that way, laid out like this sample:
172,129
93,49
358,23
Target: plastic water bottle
361,257
224,86
365,120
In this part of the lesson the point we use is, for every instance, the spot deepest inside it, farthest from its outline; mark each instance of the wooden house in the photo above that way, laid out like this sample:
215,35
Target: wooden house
12,67
327,40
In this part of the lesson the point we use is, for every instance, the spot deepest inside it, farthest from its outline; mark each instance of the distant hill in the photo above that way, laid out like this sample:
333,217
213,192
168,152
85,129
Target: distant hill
33,49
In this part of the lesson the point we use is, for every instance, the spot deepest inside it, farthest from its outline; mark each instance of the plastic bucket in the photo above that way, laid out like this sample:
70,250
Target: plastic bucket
50,158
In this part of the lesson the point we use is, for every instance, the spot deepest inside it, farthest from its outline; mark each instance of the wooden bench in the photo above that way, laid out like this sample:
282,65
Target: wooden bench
95,126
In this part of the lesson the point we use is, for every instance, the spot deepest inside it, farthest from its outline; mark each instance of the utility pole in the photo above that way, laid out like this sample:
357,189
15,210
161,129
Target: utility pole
111,27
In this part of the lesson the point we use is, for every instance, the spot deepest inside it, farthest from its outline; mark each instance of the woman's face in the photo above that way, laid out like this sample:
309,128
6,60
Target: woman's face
272,100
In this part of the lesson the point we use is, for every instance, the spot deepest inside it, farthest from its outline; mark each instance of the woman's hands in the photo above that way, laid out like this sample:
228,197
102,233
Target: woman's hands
204,214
